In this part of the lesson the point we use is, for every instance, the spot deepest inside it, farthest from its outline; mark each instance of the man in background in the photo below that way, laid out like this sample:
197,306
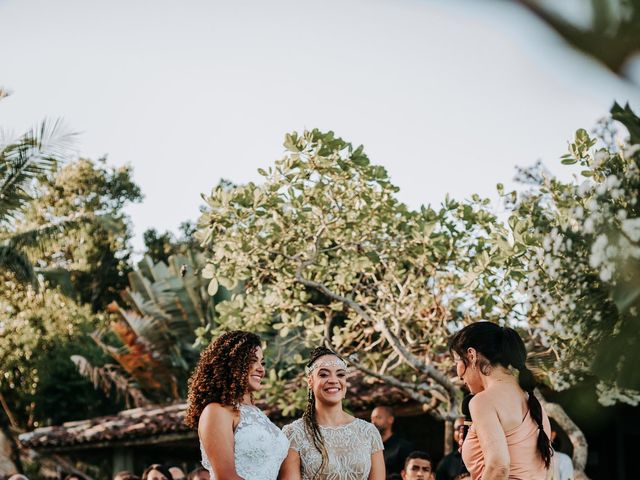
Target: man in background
451,465
418,466
396,449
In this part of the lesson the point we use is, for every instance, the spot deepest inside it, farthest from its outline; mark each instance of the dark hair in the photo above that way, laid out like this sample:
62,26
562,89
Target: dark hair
221,373
419,454
387,409
159,468
195,472
125,475
503,346
309,415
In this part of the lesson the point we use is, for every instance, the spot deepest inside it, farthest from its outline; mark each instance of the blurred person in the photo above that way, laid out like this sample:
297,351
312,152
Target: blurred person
562,463
328,443
125,475
17,476
73,476
199,473
156,471
177,473
396,449
509,435
237,440
451,464
417,466
462,476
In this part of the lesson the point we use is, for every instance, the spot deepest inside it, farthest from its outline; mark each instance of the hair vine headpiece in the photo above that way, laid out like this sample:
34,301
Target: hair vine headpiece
327,363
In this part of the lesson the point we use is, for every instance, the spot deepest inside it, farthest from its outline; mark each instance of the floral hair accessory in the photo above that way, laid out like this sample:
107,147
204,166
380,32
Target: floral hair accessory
328,363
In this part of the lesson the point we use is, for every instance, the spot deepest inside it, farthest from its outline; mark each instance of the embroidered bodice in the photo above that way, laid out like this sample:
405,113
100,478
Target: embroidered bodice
349,448
259,449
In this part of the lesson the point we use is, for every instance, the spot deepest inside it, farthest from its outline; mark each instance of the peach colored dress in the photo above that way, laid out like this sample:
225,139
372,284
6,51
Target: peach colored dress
526,463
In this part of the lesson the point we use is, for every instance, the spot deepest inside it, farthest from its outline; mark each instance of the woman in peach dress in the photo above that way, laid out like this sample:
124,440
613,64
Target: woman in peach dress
509,435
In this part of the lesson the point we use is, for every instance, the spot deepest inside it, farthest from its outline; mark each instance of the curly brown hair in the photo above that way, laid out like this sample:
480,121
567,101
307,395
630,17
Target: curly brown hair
221,373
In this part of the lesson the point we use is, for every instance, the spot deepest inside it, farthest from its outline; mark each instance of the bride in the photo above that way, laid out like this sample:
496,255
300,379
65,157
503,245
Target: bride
237,440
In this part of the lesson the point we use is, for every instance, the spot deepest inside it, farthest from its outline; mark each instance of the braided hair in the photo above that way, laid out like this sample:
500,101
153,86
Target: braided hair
309,416
221,373
503,346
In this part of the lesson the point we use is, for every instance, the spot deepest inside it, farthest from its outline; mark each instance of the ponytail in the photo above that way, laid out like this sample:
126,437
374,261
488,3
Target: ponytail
515,355
503,346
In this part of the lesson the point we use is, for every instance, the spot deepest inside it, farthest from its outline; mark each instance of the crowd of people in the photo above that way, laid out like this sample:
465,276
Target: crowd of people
156,471
507,434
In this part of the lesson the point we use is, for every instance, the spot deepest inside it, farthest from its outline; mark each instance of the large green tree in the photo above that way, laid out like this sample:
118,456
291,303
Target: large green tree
581,252
23,162
326,253
90,262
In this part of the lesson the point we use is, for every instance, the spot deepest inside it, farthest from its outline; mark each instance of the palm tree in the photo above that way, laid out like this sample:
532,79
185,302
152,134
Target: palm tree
22,162
156,330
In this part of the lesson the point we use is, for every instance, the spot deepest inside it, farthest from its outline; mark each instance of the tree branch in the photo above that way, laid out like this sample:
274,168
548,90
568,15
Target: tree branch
574,433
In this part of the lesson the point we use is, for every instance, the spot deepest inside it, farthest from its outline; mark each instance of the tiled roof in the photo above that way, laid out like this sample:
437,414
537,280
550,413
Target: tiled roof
154,422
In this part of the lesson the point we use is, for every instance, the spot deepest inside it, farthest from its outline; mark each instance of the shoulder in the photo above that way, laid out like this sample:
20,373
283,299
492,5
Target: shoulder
366,427
293,428
363,425
215,412
481,403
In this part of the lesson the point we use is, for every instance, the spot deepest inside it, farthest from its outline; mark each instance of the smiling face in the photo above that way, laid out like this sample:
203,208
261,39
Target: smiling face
256,370
328,380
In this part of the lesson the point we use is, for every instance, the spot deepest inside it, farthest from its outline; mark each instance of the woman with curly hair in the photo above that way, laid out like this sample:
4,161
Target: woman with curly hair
509,436
237,440
327,442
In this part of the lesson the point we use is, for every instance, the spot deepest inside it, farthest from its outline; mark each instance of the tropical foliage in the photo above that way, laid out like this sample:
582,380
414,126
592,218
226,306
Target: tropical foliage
22,162
581,252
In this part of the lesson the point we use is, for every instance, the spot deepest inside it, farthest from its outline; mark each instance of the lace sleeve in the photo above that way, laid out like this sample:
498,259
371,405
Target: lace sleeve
294,435
376,439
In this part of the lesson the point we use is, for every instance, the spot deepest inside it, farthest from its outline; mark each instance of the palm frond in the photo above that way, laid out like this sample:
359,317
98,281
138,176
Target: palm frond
35,153
35,237
109,377
16,261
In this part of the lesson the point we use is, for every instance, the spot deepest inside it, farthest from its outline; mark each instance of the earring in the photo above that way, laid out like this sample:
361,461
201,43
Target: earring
310,396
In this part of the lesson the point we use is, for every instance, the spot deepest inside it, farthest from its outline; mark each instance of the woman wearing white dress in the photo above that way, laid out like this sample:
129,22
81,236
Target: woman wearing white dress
327,443
237,440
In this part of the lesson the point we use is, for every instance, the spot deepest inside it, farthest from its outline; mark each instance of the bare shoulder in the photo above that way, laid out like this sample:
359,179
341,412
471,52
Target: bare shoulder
481,403
216,412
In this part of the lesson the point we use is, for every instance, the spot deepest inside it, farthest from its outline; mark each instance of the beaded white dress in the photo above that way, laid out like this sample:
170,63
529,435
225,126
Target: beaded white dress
260,447
349,448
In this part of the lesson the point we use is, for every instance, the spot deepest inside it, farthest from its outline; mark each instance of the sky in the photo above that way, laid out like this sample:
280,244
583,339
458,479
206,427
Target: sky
448,95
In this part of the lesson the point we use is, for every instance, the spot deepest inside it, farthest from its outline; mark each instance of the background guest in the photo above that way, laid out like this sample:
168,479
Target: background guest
451,464
156,471
417,466
396,449
199,473
177,473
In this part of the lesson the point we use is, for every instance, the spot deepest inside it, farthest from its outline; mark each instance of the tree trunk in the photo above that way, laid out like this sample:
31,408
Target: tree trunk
578,440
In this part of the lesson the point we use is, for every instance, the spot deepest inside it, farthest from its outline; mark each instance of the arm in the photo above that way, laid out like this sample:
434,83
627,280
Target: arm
215,430
290,468
492,439
377,466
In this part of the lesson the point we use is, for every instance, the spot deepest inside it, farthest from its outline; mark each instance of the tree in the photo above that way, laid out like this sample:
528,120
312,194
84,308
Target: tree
90,262
22,163
581,252
611,34
326,253
152,339
39,384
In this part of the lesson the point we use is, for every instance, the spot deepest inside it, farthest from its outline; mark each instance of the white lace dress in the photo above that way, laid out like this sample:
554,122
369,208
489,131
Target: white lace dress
349,448
260,447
